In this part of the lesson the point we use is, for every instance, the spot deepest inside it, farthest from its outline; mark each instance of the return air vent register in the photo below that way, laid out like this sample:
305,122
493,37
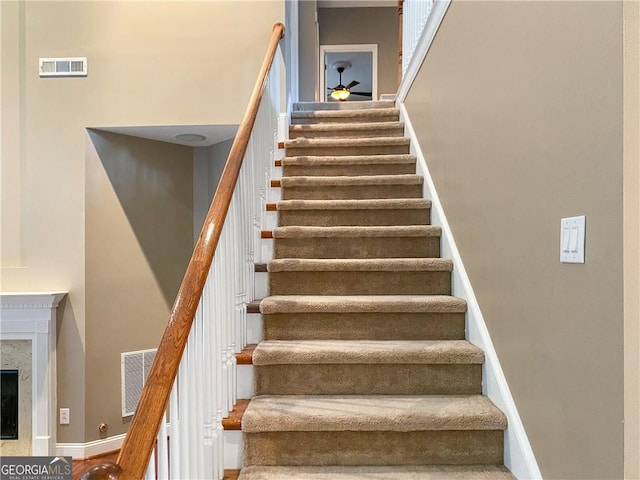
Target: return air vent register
135,368
63,67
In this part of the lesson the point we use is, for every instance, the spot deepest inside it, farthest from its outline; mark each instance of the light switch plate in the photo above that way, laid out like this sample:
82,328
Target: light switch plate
572,236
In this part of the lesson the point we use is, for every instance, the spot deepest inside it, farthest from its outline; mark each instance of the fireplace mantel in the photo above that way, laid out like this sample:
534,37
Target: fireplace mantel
32,316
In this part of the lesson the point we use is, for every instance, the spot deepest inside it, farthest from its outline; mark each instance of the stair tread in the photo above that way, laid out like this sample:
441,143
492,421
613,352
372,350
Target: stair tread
345,142
400,472
401,413
349,159
362,303
366,204
355,180
245,357
317,392
358,126
308,352
359,231
360,264
233,421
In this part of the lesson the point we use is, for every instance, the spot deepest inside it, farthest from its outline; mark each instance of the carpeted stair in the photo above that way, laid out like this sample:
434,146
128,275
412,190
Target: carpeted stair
364,371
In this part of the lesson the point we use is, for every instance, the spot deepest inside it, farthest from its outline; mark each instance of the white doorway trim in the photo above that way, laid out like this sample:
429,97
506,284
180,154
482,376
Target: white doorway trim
365,47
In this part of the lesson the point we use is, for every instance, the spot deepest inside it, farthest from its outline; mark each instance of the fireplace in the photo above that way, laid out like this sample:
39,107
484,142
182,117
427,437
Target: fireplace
9,404
28,343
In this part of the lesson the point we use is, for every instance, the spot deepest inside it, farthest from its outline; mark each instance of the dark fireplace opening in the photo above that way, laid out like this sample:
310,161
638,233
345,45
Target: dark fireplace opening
9,404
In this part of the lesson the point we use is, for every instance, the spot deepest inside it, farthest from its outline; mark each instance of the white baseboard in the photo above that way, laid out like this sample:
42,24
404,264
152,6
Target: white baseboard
519,457
90,449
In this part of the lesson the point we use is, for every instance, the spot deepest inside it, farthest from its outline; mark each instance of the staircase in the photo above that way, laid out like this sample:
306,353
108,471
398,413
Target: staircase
364,370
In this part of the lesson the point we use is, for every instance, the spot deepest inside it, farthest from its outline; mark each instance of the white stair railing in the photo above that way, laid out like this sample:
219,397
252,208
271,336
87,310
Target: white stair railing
414,19
190,443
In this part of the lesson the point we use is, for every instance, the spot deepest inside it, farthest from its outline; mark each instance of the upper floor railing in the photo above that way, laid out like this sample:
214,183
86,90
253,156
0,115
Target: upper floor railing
177,429
414,19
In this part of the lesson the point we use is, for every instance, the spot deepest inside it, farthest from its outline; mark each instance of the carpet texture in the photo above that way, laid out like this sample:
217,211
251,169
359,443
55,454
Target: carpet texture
349,130
416,472
349,165
364,371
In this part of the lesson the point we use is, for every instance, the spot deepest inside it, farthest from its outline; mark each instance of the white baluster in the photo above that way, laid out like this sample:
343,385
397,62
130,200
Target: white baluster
162,452
205,388
207,382
174,432
150,474
183,439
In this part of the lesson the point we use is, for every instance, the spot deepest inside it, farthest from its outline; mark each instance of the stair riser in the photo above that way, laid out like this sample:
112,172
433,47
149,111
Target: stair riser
345,133
374,448
351,192
351,170
364,326
398,472
357,247
368,217
340,151
369,379
357,105
359,283
336,120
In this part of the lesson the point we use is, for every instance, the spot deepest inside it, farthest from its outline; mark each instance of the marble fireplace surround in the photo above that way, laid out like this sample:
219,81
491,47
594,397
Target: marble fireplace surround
32,316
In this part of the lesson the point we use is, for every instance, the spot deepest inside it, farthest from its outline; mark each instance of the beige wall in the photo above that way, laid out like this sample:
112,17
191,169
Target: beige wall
519,110
208,164
307,50
150,63
631,191
379,25
12,98
139,222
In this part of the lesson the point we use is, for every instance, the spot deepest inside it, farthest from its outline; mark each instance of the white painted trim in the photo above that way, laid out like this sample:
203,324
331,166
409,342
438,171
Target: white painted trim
363,47
90,449
32,316
317,54
518,455
426,39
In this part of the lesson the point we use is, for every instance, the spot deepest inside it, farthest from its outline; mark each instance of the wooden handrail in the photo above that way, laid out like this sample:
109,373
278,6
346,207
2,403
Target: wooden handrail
140,440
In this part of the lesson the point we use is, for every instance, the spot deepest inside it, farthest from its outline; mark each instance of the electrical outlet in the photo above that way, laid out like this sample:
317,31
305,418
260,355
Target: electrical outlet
64,416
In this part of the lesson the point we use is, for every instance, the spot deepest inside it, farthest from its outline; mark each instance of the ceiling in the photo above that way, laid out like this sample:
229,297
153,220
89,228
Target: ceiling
360,70
167,133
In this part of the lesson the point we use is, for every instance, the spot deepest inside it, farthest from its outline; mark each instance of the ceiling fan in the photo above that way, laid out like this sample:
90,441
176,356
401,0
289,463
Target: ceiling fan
341,92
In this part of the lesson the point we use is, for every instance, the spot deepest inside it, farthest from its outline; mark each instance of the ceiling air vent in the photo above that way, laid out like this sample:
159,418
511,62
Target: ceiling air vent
63,67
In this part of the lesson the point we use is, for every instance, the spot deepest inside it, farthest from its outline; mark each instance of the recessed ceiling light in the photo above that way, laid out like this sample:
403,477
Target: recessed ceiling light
191,137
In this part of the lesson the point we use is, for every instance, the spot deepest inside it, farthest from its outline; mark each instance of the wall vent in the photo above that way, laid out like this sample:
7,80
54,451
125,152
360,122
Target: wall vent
63,67
135,368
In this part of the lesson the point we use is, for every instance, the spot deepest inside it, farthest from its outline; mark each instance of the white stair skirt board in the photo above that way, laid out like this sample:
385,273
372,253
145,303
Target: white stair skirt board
266,245
233,445
261,282
271,220
245,377
274,194
519,457
254,327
